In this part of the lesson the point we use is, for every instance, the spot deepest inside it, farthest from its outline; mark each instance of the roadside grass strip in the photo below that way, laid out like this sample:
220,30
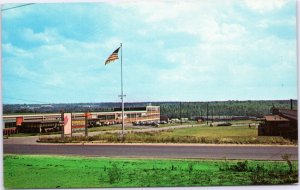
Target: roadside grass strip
28,171
198,134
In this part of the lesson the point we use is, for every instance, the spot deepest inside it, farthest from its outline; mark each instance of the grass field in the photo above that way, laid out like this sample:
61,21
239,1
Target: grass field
243,121
107,128
81,172
205,131
196,134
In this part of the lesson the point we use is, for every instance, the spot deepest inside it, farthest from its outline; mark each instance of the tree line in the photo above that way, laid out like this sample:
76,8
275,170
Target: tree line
254,108
223,108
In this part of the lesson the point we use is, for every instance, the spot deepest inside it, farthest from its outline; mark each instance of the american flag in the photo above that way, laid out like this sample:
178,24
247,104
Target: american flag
113,56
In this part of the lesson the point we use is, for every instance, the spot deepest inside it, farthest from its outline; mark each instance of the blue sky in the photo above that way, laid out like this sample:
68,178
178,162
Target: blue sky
172,51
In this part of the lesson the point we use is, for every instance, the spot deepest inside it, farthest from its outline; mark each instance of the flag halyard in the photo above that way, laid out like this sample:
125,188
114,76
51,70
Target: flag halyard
113,56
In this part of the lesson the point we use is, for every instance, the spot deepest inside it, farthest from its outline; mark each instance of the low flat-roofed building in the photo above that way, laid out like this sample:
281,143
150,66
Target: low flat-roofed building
282,122
46,122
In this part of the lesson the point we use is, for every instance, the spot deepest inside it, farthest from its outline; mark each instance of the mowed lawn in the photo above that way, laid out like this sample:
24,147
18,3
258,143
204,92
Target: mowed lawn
217,134
28,171
241,134
220,131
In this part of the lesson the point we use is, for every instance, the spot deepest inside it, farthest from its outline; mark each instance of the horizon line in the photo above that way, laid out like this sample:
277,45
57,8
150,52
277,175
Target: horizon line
163,101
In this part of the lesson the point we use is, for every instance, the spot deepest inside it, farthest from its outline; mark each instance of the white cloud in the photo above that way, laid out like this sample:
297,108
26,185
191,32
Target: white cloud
48,36
9,49
68,65
22,71
204,20
55,79
112,43
242,63
160,11
167,44
287,22
262,6
213,31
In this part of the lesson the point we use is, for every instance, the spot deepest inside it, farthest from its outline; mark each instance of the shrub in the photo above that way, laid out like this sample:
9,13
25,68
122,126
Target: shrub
114,174
190,168
224,166
258,176
240,167
286,157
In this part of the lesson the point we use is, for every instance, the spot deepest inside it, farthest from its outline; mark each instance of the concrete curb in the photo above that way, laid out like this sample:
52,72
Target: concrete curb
167,144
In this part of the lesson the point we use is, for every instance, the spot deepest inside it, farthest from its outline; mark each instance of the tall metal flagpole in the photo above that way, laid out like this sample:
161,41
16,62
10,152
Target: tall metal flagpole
122,95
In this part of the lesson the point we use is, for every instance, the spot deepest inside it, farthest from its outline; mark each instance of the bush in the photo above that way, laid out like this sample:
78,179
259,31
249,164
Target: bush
114,174
190,168
240,167
259,175
286,157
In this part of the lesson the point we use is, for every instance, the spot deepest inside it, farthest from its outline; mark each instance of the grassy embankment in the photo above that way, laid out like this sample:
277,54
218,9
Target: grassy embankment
78,172
197,134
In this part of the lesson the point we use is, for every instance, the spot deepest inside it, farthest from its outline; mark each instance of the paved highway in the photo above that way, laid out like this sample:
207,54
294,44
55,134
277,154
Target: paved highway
157,151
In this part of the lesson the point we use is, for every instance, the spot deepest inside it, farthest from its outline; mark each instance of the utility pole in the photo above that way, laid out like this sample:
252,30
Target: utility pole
207,113
180,113
212,114
62,125
86,123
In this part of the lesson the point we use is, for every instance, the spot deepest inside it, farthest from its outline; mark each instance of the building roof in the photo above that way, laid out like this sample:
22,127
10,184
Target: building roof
289,114
275,118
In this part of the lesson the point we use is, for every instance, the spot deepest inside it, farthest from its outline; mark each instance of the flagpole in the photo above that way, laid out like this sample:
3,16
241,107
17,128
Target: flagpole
122,95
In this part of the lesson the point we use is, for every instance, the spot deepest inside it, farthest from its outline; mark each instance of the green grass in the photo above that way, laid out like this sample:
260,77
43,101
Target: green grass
196,134
243,121
177,124
82,172
205,131
108,128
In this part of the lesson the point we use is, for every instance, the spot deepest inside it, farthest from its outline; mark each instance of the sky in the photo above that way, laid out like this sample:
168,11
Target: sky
173,50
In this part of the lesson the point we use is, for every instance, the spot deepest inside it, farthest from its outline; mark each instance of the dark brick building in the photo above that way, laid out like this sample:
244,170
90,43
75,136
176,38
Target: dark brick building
282,122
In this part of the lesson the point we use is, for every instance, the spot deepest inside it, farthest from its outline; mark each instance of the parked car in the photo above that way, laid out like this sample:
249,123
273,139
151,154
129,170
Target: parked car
163,122
224,124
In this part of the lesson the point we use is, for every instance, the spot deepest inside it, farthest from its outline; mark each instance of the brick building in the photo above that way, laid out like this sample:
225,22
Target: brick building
48,122
282,122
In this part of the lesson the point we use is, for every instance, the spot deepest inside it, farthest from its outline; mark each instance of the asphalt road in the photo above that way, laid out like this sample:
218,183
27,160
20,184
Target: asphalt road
158,151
